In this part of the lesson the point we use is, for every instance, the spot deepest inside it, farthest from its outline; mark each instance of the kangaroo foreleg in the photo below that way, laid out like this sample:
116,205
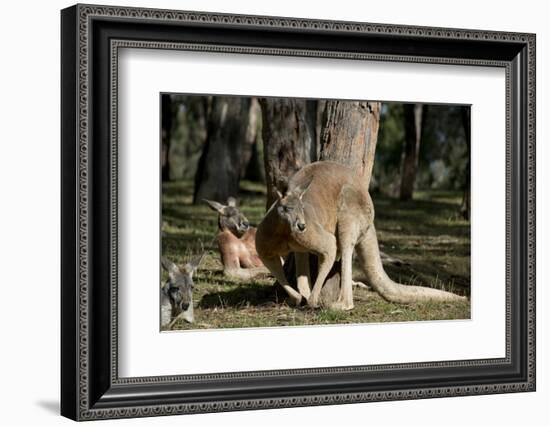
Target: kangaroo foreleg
275,265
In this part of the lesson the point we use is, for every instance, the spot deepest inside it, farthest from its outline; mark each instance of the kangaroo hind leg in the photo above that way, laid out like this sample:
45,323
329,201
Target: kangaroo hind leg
353,215
348,232
345,297
326,252
303,277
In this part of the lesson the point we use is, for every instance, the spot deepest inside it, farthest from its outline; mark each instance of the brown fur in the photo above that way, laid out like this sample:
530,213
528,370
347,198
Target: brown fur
238,252
177,292
237,247
338,215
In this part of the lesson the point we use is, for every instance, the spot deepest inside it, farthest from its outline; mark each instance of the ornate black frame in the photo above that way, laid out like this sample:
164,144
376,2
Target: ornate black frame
91,37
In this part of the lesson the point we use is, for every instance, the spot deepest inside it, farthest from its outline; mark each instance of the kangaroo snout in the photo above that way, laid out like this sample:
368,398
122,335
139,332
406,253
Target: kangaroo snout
301,226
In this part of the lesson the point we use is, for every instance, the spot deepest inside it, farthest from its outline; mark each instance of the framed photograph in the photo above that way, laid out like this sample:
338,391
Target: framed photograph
263,212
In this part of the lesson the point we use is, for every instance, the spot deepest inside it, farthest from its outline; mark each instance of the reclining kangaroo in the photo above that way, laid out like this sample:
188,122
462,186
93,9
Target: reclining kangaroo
326,210
176,294
236,242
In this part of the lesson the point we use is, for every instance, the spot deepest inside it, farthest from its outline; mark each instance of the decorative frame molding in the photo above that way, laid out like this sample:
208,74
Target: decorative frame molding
91,37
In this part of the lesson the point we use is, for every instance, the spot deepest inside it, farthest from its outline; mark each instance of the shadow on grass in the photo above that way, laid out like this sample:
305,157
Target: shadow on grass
419,215
427,276
242,296
427,233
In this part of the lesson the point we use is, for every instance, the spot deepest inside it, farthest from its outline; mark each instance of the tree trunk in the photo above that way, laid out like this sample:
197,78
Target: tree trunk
348,136
298,132
413,133
288,133
219,169
255,170
250,163
465,207
188,135
166,123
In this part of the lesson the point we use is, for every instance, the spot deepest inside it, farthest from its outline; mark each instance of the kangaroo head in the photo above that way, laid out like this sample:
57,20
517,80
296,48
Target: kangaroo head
179,287
290,207
230,217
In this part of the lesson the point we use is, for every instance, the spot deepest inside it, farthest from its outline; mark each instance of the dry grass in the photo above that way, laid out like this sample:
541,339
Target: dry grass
426,233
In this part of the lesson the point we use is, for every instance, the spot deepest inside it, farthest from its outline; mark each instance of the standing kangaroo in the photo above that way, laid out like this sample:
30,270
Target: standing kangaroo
327,210
236,242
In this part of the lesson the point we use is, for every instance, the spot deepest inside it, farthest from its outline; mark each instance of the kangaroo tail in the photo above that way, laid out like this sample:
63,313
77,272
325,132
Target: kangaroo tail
369,256
246,273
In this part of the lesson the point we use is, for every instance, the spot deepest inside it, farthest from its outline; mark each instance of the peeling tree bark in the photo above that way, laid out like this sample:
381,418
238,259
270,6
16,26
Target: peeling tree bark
349,131
413,133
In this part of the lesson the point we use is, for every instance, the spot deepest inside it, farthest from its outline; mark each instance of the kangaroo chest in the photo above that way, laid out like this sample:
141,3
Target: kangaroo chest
229,243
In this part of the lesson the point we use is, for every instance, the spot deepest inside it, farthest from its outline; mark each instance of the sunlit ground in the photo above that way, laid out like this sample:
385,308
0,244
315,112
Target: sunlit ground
426,233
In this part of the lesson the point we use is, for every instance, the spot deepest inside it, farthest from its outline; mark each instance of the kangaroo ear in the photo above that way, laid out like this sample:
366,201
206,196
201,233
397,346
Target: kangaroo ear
281,186
301,189
193,264
232,202
170,267
214,205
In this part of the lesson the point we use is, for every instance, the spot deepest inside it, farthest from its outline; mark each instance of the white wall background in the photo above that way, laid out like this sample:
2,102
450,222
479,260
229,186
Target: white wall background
29,211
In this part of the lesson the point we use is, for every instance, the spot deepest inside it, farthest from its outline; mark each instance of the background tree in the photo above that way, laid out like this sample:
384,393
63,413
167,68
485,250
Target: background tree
219,168
444,152
386,176
289,136
348,135
252,167
413,114
442,159
188,136
465,207
442,155
166,134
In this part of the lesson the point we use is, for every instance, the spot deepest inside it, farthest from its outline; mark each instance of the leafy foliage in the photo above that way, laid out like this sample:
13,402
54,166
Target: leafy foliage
443,155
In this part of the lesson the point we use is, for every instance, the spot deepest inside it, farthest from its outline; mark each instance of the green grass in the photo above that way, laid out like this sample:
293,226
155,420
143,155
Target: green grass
426,233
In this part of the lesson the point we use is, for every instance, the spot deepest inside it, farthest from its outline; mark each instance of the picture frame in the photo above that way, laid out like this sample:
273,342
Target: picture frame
90,385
